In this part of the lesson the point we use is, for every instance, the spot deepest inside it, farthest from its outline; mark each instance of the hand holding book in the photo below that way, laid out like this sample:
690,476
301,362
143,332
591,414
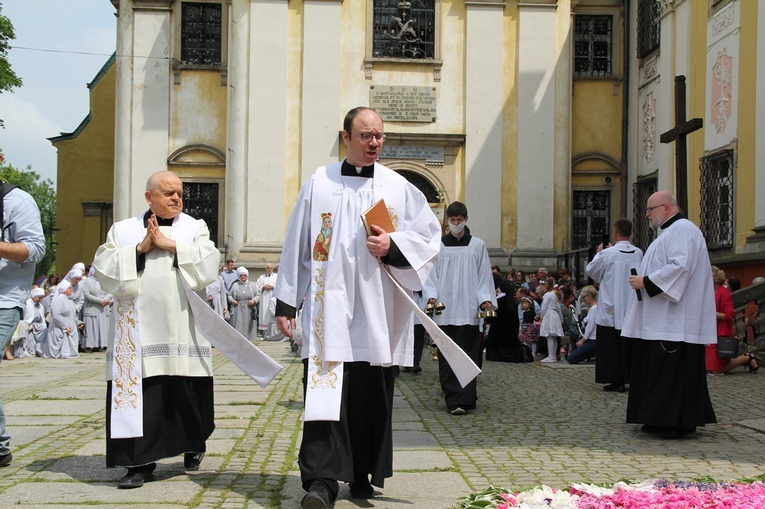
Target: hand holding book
378,224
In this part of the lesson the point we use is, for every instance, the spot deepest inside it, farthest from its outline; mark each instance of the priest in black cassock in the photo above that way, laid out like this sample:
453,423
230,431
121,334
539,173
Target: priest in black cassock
355,321
670,326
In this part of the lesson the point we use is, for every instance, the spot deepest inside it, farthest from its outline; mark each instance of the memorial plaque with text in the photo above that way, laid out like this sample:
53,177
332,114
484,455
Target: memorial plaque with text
404,104
433,154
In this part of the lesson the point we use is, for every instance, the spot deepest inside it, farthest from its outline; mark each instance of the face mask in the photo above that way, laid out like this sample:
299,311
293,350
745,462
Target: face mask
457,228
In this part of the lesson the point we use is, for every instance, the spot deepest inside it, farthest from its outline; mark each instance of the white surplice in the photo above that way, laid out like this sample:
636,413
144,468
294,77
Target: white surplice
264,316
351,306
611,268
677,262
462,281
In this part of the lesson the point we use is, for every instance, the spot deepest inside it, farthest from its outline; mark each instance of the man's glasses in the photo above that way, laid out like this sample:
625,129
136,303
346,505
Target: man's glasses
650,209
367,137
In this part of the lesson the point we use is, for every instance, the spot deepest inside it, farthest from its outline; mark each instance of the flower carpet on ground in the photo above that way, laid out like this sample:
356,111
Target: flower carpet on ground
652,494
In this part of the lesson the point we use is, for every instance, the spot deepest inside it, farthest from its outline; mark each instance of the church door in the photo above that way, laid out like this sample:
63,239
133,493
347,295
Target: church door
200,201
592,217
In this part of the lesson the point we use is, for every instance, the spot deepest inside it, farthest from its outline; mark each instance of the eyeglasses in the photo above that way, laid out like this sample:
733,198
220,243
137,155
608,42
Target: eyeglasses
650,209
367,137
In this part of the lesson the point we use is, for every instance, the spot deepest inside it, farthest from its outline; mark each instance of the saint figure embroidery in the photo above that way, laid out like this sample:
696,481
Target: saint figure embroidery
321,246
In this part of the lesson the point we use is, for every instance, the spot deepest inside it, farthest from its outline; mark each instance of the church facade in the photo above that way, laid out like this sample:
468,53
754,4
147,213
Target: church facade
543,116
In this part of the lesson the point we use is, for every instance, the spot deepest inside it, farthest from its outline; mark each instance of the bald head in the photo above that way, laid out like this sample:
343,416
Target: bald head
661,206
164,194
156,178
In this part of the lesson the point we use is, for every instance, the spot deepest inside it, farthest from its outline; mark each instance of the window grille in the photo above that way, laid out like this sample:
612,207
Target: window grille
642,233
717,199
648,27
200,201
592,215
404,29
592,45
201,29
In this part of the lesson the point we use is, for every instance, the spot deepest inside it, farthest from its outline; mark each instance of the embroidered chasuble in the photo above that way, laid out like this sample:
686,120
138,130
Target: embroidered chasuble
352,310
155,333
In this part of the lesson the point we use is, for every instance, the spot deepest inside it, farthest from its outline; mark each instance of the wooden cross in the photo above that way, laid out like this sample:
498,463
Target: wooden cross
678,134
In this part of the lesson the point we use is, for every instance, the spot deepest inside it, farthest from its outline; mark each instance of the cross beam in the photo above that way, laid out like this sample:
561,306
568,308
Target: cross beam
678,134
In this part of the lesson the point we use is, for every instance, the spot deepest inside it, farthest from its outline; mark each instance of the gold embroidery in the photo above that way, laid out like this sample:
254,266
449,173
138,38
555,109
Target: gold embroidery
325,377
393,217
125,356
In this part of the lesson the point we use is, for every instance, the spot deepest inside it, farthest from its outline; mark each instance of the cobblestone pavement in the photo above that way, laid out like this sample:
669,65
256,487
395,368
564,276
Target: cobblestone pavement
534,424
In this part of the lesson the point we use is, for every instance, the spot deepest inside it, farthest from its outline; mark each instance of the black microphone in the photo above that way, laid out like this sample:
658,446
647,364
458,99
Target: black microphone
639,295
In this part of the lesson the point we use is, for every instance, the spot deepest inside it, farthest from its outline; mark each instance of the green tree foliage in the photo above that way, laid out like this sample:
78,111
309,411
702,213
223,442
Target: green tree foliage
44,194
8,78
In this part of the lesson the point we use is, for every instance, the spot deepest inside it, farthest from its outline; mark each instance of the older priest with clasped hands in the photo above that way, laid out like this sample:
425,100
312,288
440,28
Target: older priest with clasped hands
160,389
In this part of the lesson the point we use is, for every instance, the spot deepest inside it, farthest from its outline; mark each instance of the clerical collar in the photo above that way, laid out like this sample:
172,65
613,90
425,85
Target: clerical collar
348,170
671,220
450,240
160,220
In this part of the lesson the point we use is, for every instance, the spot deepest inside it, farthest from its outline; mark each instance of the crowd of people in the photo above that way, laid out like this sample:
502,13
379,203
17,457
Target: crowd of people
69,314
64,315
248,306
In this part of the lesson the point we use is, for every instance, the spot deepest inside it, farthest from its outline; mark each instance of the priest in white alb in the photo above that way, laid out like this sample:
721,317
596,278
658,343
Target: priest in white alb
670,326
266,283
356,323
159,400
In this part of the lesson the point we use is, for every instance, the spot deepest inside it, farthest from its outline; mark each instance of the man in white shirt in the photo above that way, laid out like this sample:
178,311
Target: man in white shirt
611,267
671,326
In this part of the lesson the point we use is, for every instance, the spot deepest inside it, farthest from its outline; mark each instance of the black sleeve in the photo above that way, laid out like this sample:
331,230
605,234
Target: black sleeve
140,260
395,257
651,288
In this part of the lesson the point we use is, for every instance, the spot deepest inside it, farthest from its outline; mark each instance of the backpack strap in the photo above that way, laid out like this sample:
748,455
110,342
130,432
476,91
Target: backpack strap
4,189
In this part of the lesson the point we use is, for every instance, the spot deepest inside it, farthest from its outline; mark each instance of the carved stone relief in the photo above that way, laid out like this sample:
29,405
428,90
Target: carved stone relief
649,128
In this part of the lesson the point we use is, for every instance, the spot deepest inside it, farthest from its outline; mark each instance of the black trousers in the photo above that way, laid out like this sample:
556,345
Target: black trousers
360,444
178,417
469,338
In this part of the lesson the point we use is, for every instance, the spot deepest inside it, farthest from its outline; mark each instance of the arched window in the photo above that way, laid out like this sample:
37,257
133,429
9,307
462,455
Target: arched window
424,185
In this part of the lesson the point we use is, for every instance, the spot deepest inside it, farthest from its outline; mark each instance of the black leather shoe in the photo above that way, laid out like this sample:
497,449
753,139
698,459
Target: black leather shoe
614,388
136,476
361,489
317,498
416,370
6,459
192,460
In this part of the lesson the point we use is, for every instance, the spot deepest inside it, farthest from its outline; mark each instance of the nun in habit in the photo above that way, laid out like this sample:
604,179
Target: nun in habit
62,332
34,316
75,277
243,297
96,313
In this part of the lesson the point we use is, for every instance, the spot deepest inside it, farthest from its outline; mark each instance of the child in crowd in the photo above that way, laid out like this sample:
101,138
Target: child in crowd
528,333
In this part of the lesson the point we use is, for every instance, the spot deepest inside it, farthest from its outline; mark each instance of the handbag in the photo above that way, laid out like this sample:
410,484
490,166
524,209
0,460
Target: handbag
727,348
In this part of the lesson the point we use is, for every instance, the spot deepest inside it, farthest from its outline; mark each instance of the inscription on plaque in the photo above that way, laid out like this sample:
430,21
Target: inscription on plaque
404,104
434,154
